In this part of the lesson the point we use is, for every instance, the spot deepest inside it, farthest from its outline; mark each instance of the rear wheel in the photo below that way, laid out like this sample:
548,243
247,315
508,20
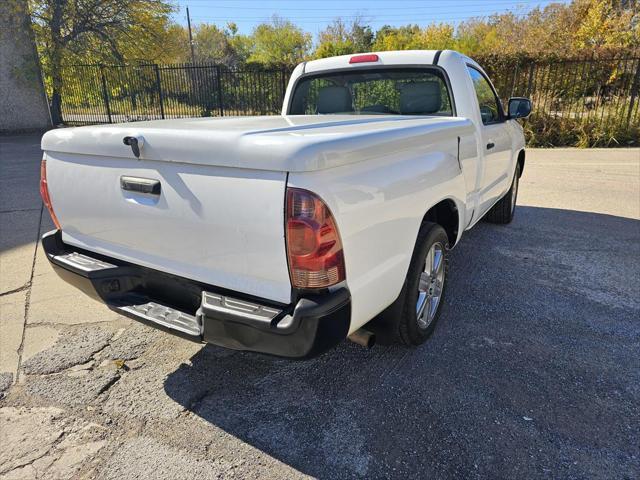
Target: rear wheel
502,212
425,285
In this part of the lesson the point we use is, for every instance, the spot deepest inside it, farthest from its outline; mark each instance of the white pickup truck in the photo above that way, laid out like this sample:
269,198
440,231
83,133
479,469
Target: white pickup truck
287,234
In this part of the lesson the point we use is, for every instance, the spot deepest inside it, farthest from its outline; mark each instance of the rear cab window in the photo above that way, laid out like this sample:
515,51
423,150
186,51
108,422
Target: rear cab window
378,91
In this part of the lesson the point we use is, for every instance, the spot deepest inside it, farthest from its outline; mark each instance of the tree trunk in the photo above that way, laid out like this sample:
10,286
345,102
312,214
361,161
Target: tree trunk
55,55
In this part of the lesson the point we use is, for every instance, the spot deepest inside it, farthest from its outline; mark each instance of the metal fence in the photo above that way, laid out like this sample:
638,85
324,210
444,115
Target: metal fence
586,90
604,90
110,94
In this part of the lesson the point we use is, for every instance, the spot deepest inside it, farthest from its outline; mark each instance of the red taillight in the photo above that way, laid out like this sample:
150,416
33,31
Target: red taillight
314,247
44,193
364,58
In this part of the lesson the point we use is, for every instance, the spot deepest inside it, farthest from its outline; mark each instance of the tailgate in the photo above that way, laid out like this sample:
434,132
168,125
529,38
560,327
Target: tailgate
218,225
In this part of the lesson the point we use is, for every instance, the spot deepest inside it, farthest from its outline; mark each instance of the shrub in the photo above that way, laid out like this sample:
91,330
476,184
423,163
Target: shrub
548,130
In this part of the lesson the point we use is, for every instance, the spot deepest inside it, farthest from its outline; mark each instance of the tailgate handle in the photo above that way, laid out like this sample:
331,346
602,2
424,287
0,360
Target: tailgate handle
140,185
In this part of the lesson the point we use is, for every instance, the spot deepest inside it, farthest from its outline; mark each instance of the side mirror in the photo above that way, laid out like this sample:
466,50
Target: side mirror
519,107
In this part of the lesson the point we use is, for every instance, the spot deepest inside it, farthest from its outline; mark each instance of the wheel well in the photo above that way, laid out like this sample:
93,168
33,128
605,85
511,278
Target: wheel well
521,161
445,214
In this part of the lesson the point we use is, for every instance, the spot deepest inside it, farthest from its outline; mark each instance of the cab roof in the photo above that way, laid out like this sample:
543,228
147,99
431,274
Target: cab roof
395,57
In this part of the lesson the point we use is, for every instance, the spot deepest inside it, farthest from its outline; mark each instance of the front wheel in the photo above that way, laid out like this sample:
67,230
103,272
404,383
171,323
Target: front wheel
425,285
502,212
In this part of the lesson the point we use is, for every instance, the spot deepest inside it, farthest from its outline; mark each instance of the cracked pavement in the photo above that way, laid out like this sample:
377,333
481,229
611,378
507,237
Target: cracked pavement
533,370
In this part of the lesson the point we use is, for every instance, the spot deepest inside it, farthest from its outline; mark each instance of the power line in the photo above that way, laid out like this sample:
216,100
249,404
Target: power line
520,8
481,13
217,4
373,23
430,7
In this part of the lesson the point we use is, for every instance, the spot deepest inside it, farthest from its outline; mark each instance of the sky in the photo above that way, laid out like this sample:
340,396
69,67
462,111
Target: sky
314,15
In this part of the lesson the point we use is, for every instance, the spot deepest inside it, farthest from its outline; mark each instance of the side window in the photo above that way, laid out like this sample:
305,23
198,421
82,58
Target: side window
489,107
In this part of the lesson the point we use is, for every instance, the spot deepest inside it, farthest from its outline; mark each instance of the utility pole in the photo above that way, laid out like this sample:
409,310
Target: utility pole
193,57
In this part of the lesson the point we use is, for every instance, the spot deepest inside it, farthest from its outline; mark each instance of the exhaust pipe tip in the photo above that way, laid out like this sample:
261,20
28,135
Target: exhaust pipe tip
363,337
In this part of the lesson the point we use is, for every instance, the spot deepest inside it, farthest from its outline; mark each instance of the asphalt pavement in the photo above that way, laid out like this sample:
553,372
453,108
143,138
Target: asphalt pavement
533,370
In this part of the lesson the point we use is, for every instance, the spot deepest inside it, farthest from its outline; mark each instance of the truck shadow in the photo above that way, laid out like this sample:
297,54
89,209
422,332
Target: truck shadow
521,325
20,202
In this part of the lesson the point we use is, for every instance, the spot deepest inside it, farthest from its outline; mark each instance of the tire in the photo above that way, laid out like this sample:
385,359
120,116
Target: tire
414,328
502,212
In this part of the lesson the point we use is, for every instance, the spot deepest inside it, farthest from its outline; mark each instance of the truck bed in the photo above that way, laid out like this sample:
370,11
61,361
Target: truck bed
287,144
218,217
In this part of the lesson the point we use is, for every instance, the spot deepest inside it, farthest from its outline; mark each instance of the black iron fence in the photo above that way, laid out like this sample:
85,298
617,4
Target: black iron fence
566,94
111,94
598,98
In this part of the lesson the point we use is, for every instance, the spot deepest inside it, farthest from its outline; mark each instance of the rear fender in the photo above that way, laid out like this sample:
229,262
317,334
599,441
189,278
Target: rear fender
379,205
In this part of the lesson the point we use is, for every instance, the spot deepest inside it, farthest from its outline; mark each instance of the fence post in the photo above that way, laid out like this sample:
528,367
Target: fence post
105,94
634,93
284,84
530,81
219,77
159,90
515,76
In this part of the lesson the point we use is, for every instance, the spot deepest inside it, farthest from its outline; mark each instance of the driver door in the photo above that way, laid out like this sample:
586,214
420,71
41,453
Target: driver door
495,142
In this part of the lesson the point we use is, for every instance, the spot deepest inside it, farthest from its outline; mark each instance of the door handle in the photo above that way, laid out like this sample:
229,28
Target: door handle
140,185
490,145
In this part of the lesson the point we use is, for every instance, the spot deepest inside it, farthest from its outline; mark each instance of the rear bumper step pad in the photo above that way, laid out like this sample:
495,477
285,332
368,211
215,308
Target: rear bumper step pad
162,315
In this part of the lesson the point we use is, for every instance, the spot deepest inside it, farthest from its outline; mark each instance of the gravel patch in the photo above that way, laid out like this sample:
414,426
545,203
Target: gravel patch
79,388
130,343
140,394
6,380
145,458
74,347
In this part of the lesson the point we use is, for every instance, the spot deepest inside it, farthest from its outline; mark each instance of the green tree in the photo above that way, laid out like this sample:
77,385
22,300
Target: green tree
103,29
438,36
279,43
580,27
406,37
175,45
340,38
241,44
606,24
213,45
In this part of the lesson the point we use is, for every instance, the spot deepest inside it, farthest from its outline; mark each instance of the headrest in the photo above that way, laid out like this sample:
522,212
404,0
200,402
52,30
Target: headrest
334,99
420,98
